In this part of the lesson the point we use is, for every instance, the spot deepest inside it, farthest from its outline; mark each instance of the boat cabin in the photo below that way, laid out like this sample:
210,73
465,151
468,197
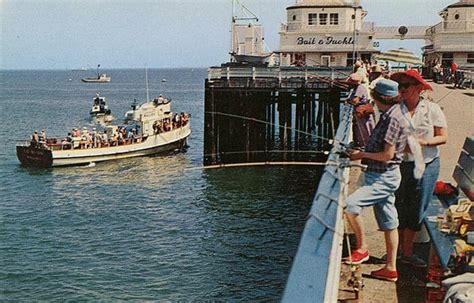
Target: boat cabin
99,106
147,114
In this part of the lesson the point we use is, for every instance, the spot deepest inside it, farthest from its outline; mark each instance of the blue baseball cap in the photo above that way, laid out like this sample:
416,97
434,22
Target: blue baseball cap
386,87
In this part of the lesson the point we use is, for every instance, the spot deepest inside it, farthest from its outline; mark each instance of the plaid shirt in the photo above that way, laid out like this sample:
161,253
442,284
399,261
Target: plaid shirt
393,129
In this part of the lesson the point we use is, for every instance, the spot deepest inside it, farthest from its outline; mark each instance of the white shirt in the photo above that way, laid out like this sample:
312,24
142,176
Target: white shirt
427,116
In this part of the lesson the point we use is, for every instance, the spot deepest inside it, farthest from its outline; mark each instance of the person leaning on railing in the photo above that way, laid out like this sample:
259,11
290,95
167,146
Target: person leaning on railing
383,155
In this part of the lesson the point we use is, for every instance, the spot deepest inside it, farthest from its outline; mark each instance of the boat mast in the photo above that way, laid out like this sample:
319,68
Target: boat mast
98,75
232,32
146,82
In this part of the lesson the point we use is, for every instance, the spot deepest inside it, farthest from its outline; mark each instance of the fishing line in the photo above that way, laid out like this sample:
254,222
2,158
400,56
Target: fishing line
264,163
439,100
330,141
325,152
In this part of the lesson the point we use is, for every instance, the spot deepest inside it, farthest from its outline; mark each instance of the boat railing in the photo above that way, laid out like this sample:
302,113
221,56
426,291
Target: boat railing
24,143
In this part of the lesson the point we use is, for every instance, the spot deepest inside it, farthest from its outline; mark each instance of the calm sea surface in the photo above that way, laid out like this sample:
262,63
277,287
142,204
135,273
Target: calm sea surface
138,229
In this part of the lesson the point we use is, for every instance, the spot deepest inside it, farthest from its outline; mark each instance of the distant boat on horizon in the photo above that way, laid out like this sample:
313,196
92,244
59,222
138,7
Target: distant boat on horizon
79,69
101,78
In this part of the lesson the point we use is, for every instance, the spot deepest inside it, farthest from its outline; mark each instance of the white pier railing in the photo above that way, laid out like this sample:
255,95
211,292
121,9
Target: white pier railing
228,72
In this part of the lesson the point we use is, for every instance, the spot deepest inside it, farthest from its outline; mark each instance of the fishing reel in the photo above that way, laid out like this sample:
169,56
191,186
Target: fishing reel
356,282
344,152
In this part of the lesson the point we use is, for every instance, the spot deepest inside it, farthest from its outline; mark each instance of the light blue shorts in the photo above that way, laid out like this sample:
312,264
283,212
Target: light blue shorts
379,191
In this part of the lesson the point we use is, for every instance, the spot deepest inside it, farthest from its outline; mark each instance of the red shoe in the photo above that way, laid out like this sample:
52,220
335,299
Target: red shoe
385,274
357,257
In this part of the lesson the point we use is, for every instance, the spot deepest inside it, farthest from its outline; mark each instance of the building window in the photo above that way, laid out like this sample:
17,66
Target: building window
323,19
470,58
312,19
350,61
447,59
334,19
456,16
294,17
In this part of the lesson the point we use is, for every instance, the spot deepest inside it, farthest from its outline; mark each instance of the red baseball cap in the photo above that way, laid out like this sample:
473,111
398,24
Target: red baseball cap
414,74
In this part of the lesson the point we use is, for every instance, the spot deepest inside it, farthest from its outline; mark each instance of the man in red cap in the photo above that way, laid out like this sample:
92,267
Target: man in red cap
428,122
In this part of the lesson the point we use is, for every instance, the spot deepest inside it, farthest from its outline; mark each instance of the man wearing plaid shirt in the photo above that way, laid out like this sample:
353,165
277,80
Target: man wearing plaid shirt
383,155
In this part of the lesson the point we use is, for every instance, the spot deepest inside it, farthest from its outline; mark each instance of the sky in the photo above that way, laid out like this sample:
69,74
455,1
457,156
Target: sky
72,34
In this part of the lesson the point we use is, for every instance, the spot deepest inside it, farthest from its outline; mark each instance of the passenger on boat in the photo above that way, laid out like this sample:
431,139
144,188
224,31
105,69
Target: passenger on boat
104,139
130,135
76,132
120,138
34,138
184,118
114,140
175,121
161,99
85,138
66,143
94,137
158,128
42,138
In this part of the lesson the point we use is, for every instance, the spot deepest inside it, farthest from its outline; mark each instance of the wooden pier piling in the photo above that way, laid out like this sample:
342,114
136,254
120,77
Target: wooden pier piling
269,119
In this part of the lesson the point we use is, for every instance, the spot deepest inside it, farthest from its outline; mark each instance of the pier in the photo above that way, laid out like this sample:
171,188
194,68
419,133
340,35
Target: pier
255,114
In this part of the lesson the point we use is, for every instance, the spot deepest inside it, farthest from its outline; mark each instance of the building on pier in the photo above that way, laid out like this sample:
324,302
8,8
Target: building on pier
453,38
334,33
328,32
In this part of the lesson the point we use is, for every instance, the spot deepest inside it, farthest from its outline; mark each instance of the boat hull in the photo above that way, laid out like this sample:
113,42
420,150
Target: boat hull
34,157
251,58
95,80
155,144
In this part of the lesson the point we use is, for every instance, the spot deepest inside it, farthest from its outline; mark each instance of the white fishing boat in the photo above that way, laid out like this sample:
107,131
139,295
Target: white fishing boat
148,129
101,78
248,43
100,112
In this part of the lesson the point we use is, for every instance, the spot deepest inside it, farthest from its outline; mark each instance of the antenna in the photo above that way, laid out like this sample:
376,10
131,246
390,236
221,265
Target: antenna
146,82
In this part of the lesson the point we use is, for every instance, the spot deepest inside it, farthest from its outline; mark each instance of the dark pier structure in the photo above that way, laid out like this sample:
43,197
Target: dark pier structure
262,114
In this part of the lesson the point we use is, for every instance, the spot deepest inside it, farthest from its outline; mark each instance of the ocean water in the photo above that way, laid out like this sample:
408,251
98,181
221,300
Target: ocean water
150,228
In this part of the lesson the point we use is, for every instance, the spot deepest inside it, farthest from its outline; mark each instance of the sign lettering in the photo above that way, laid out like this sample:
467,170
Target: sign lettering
325,41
